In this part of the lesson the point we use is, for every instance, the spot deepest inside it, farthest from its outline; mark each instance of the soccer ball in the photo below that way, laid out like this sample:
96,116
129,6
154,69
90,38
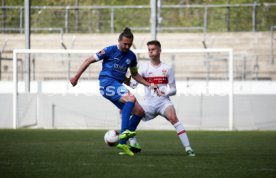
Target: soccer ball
111,138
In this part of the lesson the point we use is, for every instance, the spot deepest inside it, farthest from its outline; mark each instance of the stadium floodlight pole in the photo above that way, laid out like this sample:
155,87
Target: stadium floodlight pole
254,16
230,93
27,44
272,44
15,93
153,29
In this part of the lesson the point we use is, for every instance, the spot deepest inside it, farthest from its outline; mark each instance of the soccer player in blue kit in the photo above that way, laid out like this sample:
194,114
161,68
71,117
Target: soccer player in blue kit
116,60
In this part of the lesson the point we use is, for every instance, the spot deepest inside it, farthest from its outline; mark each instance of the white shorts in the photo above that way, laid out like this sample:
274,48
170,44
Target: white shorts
153,109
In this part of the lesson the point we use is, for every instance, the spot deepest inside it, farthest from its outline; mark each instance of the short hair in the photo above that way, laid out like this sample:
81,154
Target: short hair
126,33
154,42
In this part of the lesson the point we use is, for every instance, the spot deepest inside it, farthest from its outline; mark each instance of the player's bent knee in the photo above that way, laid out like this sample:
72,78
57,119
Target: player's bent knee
139,111
173,120
131,99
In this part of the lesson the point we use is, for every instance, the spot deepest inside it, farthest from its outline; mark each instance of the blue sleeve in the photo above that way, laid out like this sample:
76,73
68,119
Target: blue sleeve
103,54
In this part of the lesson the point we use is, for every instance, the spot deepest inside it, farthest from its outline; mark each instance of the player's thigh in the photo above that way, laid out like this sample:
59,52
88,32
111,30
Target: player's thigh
138,109
150,112
170,114
113,91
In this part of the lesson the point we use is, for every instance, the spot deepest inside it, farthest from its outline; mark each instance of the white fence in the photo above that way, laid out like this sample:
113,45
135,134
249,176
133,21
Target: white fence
199,107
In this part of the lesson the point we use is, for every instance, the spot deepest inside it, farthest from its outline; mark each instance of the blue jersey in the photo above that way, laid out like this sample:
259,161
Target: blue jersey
115,62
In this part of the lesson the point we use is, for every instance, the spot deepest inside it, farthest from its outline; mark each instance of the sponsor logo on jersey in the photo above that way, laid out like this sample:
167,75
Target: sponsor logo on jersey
101,52
157,80
128,61
119,68
164,72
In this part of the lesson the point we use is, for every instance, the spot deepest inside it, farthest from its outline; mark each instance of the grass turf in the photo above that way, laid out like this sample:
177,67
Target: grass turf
83,153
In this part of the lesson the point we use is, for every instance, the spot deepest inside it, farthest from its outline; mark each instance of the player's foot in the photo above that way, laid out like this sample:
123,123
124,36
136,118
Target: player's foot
124,150
135,148
190,152
127,134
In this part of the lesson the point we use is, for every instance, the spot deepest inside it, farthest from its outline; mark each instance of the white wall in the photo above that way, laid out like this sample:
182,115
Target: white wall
188,88
82,111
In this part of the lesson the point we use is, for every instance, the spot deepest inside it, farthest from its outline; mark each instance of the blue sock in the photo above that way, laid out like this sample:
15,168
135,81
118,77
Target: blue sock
134,122
126,112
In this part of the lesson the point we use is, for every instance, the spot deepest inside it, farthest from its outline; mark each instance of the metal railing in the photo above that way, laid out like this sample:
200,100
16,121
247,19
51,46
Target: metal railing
110,19
36,29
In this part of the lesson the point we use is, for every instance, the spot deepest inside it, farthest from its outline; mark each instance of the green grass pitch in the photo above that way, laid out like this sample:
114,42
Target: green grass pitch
83,153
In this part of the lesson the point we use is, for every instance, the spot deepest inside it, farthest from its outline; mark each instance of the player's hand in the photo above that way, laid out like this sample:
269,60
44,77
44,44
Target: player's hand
74,81
153,86
159,92
156,89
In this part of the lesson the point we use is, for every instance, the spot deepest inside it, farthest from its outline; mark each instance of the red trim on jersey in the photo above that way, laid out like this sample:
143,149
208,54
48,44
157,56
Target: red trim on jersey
181,132
157,80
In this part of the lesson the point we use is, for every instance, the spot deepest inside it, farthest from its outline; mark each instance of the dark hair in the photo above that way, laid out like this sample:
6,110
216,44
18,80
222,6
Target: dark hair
154,42
126,33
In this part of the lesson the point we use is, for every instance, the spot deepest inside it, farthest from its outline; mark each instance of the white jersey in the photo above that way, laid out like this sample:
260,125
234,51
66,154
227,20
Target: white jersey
161,75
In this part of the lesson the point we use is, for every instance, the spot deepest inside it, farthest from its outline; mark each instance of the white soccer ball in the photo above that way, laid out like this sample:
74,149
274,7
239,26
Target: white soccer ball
111,138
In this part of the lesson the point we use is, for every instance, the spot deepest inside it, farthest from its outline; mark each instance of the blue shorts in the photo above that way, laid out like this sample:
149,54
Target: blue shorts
113,91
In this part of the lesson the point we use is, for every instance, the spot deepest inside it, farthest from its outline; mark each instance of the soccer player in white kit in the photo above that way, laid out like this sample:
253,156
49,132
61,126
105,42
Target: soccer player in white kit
157,102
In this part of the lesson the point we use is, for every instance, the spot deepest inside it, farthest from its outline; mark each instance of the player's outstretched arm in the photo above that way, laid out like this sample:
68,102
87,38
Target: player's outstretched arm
83,67
131,83
140,79
136,76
